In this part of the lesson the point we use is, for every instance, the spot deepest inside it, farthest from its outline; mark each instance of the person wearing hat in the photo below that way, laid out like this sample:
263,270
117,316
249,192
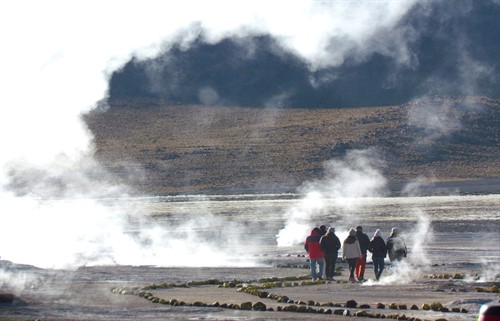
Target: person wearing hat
330,244
311,245
379,252
351,252
396,247
364,244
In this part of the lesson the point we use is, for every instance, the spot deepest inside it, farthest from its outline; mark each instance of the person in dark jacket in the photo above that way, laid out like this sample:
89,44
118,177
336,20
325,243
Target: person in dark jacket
311,245
330,244
364,244
379,252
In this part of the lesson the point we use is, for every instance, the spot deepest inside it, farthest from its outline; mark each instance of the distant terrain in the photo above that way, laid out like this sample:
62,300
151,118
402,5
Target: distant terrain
162,149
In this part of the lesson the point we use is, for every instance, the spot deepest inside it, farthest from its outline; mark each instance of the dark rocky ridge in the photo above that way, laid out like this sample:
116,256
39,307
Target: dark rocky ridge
453,50
165,149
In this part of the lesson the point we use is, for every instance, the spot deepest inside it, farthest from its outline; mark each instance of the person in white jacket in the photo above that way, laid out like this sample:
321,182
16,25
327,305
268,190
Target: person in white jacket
351,252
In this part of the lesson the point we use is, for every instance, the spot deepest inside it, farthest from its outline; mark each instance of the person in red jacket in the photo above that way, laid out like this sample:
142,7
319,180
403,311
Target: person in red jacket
315,253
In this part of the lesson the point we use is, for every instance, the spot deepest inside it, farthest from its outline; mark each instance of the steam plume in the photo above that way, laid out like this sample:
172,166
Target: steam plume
57,58
345,181
56,61
417,260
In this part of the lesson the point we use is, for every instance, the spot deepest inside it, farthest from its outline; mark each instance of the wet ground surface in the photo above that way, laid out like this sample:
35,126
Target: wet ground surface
86,293
461,237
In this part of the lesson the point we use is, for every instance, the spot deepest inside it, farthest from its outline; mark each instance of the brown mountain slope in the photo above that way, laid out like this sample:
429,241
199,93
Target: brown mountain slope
193,149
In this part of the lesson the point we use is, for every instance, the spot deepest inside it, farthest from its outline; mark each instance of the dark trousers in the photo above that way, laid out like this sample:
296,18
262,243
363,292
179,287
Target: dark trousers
352,266
330,260
378,266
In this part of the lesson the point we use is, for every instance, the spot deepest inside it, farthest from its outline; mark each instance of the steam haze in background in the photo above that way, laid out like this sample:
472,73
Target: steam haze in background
57,60
56,63
338,198
346,181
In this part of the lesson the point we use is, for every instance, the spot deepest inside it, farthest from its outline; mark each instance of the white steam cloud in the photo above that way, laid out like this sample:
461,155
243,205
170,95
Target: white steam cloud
17,281
436,119
56,60
417,260
345,181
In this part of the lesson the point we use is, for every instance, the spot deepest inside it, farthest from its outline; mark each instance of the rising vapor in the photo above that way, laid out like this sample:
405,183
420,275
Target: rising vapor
57,60
346,181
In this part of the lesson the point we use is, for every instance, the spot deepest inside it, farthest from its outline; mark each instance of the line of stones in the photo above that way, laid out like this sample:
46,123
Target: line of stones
492,289
446,276
293,305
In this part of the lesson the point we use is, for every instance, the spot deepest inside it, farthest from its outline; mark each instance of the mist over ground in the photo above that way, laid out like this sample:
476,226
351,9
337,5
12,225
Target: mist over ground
80,182
61,58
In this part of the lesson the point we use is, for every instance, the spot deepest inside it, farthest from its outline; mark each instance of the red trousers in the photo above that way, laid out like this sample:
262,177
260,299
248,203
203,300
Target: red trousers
360,267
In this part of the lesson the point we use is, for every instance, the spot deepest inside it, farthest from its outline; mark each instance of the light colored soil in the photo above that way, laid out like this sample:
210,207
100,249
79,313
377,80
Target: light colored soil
165,150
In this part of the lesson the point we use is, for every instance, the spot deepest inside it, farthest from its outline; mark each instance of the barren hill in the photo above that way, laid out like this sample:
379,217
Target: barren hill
163,149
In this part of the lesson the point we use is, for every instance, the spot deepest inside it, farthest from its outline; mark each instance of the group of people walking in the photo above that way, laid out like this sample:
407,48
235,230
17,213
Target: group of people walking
323,248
